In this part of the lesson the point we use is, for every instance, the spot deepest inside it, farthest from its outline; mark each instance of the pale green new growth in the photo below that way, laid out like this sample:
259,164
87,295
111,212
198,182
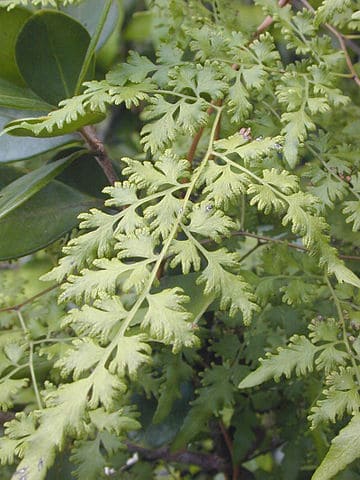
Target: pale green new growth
9,4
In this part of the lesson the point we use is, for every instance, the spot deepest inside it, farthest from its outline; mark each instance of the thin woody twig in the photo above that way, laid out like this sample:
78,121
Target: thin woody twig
263,239
191,153
14,308
208,462
342,41
230,447
97,146
192,150
268,20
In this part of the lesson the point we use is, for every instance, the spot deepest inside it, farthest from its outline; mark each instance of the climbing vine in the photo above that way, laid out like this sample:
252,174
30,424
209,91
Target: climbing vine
185,180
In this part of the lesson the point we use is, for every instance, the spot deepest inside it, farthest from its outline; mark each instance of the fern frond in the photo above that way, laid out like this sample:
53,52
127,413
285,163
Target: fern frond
298,355
10,4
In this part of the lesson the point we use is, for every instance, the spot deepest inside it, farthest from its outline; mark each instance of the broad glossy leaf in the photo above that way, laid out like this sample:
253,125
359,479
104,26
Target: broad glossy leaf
47,216
28,185
56,44
12,150
86,175
10,25
9,174
21,98
88,13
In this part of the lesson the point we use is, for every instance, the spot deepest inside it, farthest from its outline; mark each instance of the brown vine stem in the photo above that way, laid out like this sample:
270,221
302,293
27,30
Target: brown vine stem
208,462
97,146
264,240
17,307
192,150
342,41
268,20
230,447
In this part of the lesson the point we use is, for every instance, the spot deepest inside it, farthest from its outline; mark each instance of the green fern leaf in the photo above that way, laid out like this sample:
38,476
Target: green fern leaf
8,388
116,422
297,124
216,393
82,250
353,210
224,186
72,115
63,416
248,150
106,388
131,352
164,214
235,293
298,355
91,284
344,450
168,170
89,459
176,372
135,70
329,8
186,254
80,359
167,319
209,222
97,321
239,101
342,397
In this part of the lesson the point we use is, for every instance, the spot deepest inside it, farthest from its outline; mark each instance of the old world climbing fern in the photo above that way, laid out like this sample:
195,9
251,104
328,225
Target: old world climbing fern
227,233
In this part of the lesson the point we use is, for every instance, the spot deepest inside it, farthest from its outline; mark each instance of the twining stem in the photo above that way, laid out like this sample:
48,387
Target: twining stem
194,144
92,46
250,252
342,41
31,360
29,300
343,324
207,462
230,447
97,146
192,150
264,239
268,20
